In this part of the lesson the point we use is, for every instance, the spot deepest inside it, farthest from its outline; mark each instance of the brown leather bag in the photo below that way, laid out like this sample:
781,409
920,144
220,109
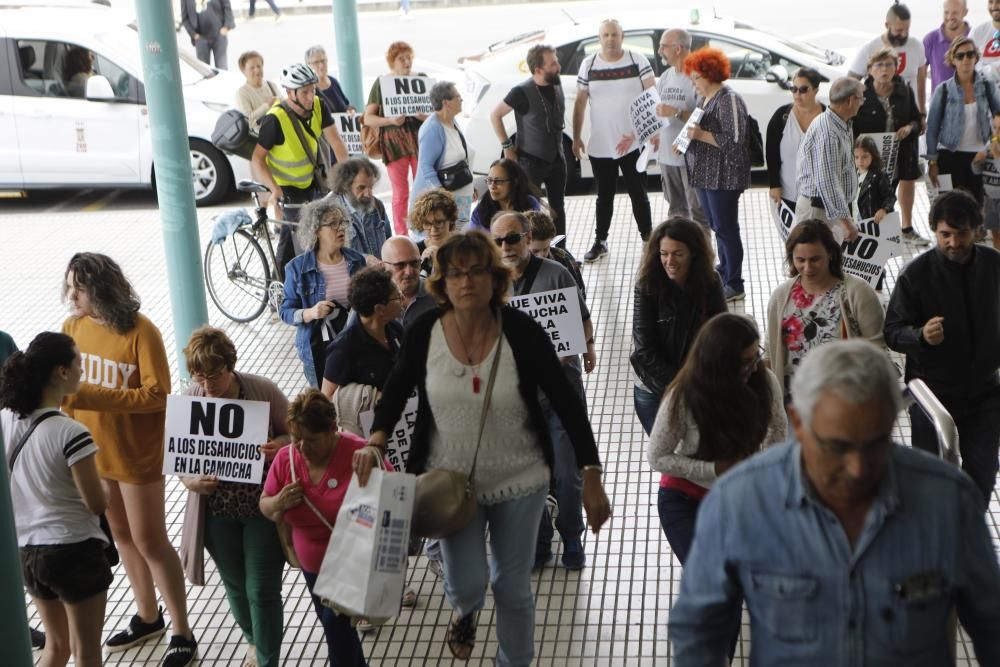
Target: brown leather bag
371,141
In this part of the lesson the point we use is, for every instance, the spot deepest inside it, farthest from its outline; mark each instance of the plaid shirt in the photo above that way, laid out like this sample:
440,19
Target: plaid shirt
826,164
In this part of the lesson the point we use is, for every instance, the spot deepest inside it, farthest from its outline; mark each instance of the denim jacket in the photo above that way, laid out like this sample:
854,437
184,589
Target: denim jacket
305,286
368,231
944,124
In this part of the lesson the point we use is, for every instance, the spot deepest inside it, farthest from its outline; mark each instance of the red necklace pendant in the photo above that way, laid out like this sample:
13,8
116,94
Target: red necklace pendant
475,384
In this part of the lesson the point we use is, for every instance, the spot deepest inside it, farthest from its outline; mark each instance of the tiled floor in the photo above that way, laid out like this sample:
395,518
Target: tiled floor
614,612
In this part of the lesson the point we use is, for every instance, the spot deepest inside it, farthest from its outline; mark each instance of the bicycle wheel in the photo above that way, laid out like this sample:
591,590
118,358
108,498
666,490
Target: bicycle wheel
237,276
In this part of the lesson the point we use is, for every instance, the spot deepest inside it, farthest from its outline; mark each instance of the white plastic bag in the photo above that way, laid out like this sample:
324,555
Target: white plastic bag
364,568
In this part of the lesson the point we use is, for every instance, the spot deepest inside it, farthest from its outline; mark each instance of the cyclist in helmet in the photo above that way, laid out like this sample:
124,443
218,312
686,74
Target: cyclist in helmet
284,162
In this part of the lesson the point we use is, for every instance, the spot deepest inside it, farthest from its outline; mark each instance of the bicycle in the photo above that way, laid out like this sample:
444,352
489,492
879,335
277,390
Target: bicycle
241,279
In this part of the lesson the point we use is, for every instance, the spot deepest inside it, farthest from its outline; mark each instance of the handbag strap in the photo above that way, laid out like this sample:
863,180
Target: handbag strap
297,125
487,396
27,434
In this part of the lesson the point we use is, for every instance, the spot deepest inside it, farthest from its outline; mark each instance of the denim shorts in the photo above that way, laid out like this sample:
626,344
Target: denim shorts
67,572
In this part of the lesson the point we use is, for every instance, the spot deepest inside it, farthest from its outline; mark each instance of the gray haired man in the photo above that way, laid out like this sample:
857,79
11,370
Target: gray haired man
828,180
353,186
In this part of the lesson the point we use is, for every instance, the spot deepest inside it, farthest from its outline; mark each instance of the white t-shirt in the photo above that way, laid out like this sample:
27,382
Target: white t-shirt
970,142
987,39
677,90
791,139
612,87
48,508
911,58
454,152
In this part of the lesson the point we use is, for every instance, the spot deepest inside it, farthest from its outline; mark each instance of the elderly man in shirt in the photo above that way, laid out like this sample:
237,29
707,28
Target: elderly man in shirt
402,257
828,180
848,549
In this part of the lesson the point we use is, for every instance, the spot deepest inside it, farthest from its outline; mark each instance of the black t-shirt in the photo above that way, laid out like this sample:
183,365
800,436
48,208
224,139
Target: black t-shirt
354,356
517,99
270,134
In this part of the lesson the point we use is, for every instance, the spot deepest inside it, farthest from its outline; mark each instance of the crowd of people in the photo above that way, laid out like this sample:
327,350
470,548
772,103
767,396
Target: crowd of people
780,483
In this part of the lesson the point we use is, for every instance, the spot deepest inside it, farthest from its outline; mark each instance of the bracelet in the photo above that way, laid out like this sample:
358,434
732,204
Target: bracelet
995,140
509,143
593,466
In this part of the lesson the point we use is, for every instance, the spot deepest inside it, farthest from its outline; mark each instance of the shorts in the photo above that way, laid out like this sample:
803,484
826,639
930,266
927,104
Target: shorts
66,572
991,214
908,162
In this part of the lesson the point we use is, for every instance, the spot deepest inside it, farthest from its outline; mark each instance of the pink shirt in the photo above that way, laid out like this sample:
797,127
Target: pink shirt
337,280
309,535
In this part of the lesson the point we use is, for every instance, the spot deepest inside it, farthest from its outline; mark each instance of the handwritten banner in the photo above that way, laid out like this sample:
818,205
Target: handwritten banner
558,312
398,446
215,436
405,95
349,127
642,112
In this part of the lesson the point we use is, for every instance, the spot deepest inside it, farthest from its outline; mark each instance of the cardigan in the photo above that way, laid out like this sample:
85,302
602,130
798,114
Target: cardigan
859,305
772,143
538,367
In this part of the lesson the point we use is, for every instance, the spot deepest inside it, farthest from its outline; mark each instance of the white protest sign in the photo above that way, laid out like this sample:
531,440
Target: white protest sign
215,436
642,112
991,178
944,183
784,219
349,128
558,311
682,141
888,149
405,95
398,446
866,255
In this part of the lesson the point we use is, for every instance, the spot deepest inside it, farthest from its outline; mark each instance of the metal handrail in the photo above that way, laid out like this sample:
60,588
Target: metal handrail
944,425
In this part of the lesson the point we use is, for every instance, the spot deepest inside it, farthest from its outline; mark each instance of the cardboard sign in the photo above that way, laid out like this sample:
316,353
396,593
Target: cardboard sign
558,312
642,112
405,95
784,219
216,436
398,445
866,255
888,149
349,127
682,141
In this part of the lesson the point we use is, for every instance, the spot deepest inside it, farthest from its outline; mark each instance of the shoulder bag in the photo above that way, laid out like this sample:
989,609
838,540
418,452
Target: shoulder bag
444,501
110,551
458,175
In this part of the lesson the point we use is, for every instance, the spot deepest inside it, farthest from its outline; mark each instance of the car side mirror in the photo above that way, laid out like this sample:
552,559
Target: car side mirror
99,89
777,74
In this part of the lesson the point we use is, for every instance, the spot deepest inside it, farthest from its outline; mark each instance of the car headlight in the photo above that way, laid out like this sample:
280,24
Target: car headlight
215,106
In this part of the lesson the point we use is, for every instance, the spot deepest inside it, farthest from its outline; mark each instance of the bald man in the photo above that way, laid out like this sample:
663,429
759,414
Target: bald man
402,258
936,42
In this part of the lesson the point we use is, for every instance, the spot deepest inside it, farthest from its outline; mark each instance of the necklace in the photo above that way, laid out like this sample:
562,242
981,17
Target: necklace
475,367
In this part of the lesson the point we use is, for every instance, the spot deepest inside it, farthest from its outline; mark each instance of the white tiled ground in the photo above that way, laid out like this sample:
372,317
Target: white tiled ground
612,613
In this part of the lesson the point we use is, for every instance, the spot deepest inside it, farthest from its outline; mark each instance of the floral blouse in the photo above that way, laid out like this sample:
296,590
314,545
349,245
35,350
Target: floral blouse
809,320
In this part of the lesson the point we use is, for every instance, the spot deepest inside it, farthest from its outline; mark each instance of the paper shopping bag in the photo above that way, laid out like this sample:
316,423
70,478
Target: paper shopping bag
364,567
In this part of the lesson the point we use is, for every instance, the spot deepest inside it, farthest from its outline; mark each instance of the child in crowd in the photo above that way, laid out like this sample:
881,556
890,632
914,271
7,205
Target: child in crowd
987,164
876,196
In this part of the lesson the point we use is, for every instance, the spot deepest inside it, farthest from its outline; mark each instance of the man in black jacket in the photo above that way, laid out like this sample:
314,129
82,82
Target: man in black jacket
208,23
944,315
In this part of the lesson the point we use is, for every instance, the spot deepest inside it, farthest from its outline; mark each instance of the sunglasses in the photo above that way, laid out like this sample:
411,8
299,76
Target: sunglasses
801,90
511,239
962,55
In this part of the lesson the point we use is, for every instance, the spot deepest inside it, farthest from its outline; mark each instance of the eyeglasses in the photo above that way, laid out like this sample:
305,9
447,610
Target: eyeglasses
438,224
962,55
511,239
474,272
843,447
497,181
318,62
751,364
884,64
409,264
202,377
340,224
801,90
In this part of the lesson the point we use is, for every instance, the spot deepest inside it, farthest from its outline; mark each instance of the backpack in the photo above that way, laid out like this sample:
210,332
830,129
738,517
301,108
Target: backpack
753,141
232,134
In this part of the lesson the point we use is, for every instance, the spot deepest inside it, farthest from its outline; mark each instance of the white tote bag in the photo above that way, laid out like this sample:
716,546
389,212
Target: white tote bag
364,568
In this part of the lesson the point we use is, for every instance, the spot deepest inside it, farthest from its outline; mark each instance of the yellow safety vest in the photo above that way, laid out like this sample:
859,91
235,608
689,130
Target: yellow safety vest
288,161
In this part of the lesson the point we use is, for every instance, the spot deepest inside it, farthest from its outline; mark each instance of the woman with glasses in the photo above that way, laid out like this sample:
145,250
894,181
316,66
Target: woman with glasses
818,303
316,283
722,407
958,122
328,87
443,151
508,188
434,215
891,106
785,132
448,358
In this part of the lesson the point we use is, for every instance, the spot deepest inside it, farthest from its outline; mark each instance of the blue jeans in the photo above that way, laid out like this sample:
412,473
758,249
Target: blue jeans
722,207
509,572
646,406
677,514
567,483
343,645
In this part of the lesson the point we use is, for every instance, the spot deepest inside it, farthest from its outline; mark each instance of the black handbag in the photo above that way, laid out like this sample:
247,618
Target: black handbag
458,175
110,551
322,332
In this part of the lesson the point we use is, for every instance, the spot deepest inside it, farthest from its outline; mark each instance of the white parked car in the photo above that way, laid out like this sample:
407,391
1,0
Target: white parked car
57,131
761,65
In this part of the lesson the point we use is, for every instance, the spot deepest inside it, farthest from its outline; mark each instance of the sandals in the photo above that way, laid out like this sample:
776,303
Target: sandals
409,598
461,637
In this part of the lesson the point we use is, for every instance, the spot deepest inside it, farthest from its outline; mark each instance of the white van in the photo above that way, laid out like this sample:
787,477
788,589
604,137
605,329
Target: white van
63,130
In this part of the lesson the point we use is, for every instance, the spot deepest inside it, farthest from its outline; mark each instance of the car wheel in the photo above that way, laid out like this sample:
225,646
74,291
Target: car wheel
210,173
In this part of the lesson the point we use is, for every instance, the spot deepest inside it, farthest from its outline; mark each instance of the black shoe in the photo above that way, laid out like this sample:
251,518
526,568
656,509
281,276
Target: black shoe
644,236
598,250
137,632
180,653
37,639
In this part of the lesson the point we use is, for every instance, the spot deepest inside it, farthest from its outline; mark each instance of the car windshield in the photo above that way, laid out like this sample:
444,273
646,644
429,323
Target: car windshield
127,41
826,55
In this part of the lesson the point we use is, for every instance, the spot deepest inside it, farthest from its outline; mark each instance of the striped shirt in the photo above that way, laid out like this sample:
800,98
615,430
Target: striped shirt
826,165
337,281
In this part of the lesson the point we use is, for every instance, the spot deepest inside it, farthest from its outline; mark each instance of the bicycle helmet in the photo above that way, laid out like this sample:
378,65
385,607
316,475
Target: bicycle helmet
298,75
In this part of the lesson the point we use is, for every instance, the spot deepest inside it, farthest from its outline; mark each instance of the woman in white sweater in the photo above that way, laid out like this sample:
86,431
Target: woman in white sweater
256,96
721,408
